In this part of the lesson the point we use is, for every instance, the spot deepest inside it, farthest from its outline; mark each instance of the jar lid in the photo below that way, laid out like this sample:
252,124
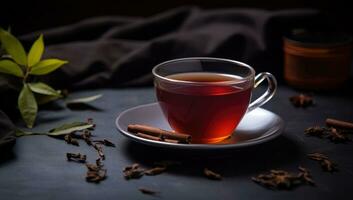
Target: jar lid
307,38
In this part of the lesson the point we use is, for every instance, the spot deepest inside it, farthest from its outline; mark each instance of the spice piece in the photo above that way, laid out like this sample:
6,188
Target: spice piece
316,131
90,121
336,137
339,124
99,150
333,134
86,136
105,142
157,132
154,171
95,173
77,157
70,140
305,175
133,172
325,163
148,191
302,100
212,175
280,179
150,137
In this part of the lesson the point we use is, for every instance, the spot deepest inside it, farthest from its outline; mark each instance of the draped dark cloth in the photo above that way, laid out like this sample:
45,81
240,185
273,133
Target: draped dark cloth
121,51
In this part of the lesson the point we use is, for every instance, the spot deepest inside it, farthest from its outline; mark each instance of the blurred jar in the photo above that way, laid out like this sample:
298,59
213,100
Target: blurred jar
317,61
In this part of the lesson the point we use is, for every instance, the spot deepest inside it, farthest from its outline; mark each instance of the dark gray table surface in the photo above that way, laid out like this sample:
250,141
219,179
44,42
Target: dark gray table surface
37,167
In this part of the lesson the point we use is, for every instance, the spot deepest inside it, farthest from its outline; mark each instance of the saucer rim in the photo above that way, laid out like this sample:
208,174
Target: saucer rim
270,135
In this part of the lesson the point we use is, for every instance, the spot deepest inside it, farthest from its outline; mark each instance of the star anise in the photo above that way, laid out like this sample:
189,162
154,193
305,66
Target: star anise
302,100
326,164
280,179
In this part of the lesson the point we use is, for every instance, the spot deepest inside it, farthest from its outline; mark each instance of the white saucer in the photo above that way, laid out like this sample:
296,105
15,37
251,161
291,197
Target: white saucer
256,127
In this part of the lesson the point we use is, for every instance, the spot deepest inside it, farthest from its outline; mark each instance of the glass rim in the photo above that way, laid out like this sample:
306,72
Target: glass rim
246,78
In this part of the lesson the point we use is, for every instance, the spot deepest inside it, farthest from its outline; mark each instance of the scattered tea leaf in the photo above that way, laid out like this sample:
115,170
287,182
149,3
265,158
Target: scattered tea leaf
46,66
42,88
44,99
69,128
212,175
9,67
35,54
27,105
13,47
147,191
84,99
61,130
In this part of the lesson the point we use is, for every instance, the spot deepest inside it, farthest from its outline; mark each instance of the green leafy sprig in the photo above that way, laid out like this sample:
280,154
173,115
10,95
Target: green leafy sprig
18,63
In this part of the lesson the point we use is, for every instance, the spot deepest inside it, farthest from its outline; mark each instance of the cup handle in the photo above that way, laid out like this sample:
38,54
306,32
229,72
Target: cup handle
272,86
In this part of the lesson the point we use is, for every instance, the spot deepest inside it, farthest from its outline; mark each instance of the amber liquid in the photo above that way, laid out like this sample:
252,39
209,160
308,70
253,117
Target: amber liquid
209,113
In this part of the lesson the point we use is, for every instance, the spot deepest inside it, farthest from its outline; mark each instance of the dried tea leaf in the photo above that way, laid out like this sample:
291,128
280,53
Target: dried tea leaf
212,175
148,191
155,171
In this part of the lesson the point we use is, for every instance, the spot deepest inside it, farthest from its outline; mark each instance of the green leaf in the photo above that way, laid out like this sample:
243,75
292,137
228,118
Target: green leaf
84,99
9,67
13,47
28,106
46,66
69,128
43,99
36,52
61,130
42,88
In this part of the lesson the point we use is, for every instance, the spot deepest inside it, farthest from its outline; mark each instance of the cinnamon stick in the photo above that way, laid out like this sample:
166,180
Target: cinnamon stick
339,124
157,132
150,137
